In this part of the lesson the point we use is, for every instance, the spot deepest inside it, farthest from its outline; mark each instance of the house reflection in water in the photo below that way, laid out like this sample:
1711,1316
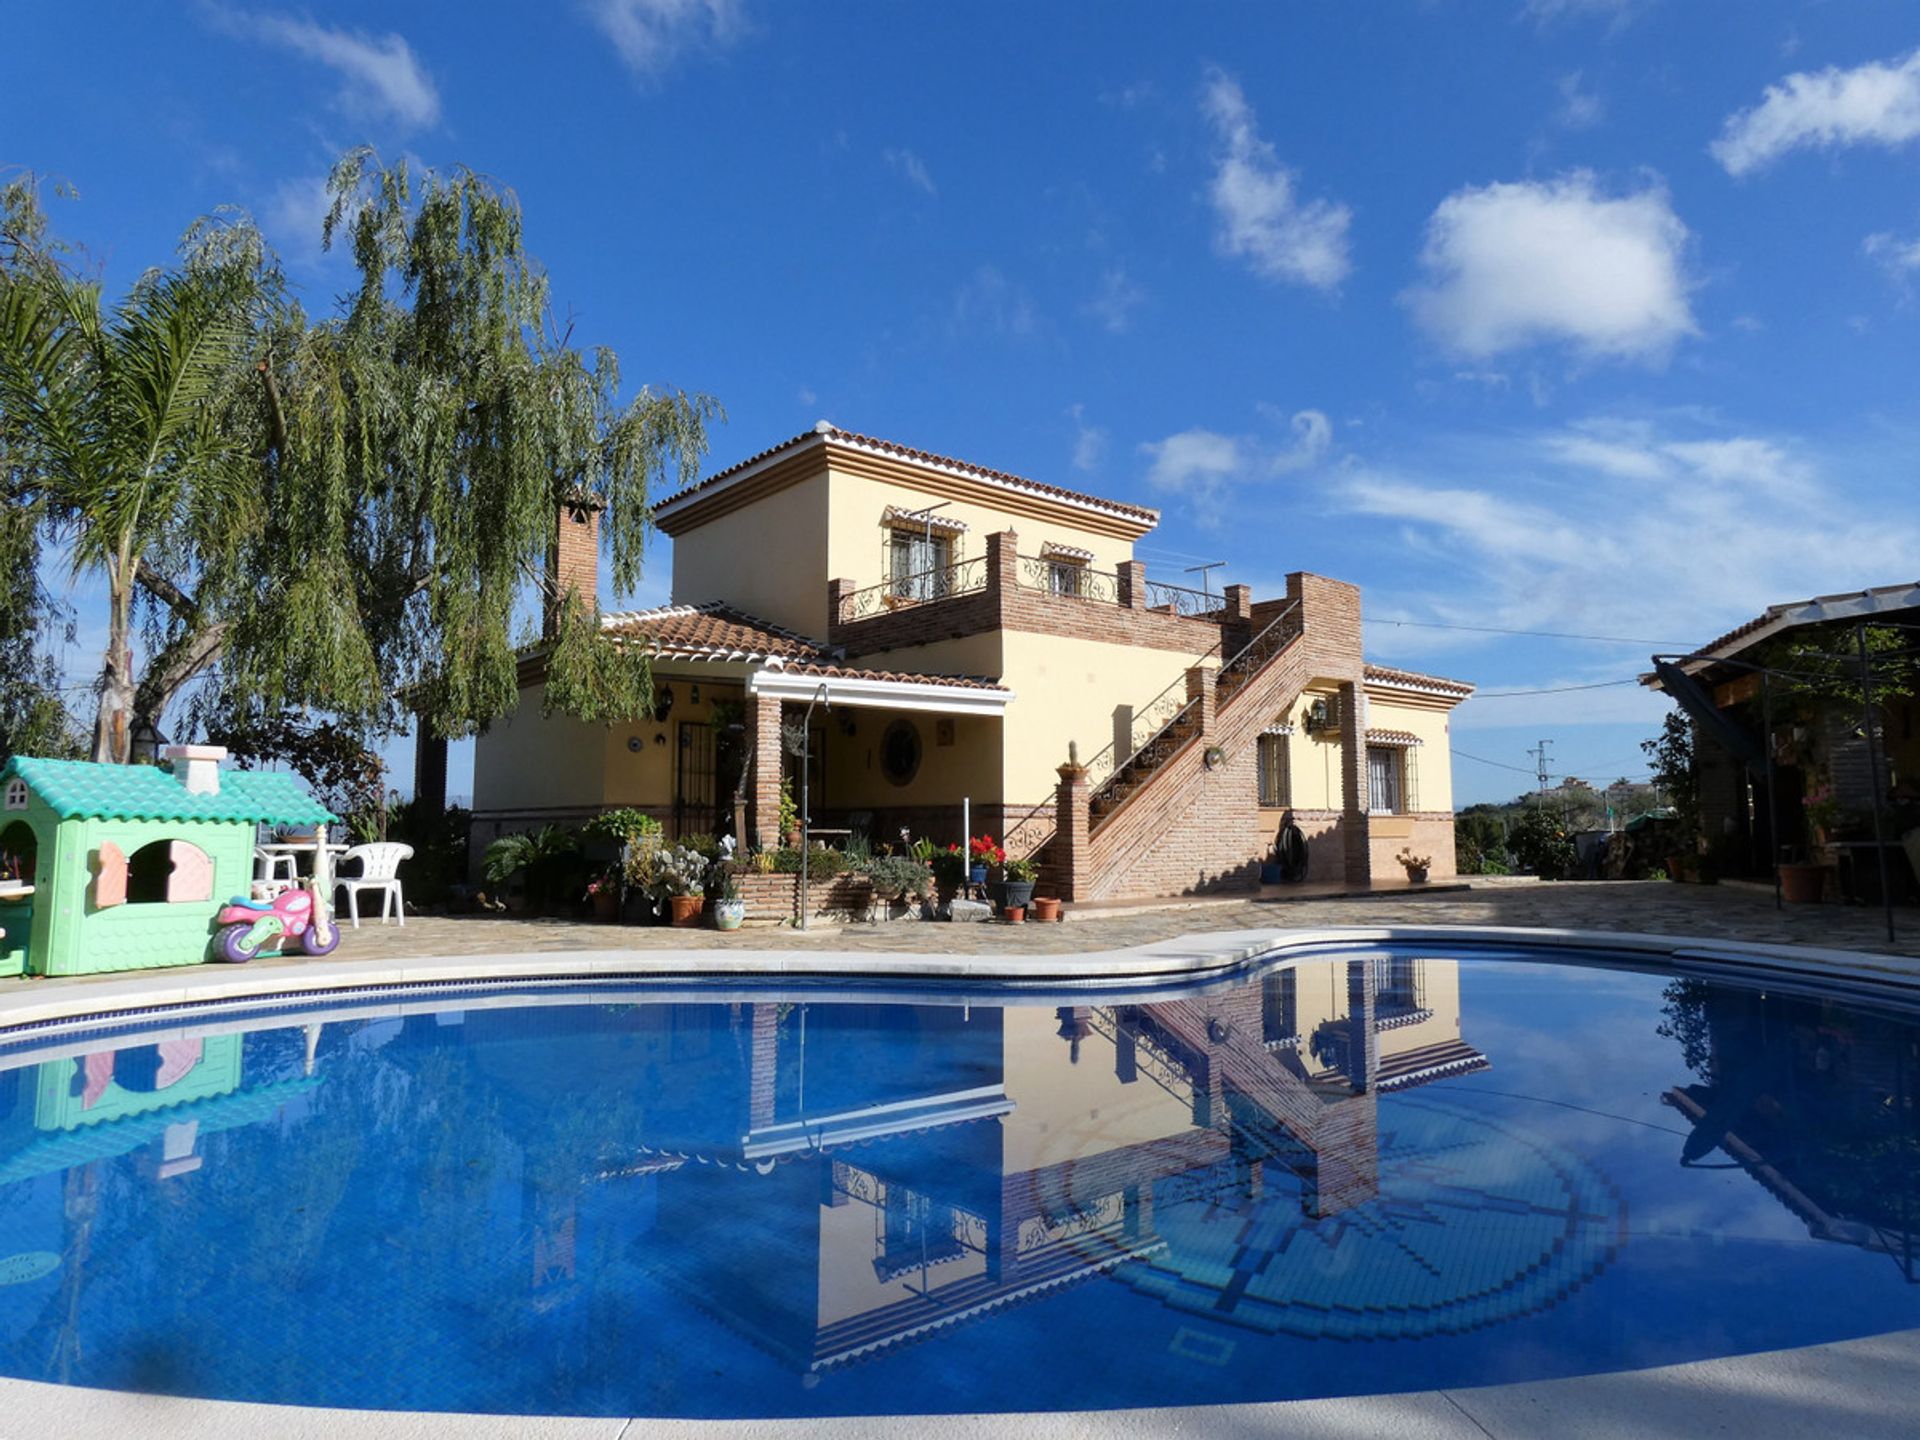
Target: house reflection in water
996,1155
1813,1100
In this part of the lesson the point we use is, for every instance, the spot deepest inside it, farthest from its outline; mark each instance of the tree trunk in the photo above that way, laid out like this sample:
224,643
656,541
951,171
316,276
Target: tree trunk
113,726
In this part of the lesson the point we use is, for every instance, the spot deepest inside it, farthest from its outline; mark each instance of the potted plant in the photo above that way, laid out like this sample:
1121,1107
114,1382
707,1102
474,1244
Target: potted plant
1416,866
729,909
789,816
983,855
1016,884
1803,883
1823,812
949,873
542,858
604,893
1046,908
680,879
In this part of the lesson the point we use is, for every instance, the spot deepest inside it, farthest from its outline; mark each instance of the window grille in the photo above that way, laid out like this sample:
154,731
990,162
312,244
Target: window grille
916,563
1276,778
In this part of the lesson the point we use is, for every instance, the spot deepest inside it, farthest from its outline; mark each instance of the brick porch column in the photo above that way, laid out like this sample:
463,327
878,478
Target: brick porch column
763,775
1003,563
1200,687
1353,784
1239,602
1072,847
1133,584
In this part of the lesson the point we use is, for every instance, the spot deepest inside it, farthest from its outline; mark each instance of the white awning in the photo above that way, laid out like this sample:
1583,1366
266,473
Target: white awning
881,692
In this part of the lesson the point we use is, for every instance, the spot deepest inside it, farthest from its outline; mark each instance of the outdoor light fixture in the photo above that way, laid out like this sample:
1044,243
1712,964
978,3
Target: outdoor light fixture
695,697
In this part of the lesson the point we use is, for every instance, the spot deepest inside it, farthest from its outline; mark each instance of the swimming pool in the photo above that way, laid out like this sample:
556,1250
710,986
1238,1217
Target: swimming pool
1368,1170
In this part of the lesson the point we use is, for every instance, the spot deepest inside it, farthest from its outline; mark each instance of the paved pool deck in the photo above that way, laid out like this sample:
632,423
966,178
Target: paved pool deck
1865,1388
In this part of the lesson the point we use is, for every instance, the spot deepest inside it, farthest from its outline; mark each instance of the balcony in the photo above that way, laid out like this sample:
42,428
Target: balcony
1005,590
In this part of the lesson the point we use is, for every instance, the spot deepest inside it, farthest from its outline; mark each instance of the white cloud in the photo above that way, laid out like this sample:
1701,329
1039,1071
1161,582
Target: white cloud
990,301
1116,300
1671,530
1261,219
1579,109
909,165
295,214
380,75
1089,441
1512,265
1900,257
1203,466
1617,12
1873,104
651,34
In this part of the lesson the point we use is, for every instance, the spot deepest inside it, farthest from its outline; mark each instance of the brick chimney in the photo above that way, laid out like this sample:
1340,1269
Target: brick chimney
573,564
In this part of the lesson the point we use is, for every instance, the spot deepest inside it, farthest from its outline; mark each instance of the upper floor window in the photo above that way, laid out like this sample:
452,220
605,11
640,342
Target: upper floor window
1066,577
917,563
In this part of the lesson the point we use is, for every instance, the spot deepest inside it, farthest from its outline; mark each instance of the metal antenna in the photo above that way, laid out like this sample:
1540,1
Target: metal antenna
1211,565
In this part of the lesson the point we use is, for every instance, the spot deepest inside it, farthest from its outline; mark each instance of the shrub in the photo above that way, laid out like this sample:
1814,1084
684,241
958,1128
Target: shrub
1022,869
621,827
1540,845
898,875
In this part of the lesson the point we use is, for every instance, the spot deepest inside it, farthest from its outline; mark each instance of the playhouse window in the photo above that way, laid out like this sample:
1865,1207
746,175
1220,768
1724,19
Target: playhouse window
168,872
18,850
16,794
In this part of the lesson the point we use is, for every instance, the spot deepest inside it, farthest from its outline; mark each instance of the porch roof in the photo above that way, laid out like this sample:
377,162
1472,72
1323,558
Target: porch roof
1853,605
881,689
714,631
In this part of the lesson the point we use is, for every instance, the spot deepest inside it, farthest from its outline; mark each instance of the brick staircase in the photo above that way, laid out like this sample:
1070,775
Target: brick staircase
1165,822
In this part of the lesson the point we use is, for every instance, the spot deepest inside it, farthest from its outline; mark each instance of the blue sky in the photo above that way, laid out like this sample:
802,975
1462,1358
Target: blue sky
1581,316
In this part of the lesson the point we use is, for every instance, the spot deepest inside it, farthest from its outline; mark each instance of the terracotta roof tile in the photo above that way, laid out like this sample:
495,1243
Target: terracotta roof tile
825,431
714,631
1393,737
1387,675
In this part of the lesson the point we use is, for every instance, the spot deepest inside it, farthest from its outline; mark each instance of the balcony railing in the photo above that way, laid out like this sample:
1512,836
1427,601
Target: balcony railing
1069,582
1180,600
898,592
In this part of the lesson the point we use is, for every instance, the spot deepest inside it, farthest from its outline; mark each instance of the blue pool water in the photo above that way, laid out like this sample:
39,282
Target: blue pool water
1350,1174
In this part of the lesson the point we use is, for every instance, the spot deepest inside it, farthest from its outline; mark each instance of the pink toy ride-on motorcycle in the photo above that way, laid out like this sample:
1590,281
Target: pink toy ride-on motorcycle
290,922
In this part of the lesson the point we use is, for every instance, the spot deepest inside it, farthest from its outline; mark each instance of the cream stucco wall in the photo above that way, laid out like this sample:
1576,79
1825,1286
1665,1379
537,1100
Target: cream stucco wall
1068,690
531,762
1314,761
856,541
1072,1112
968,768
769,558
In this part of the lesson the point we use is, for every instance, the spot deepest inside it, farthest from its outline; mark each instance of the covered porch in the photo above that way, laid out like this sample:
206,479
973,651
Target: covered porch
868,754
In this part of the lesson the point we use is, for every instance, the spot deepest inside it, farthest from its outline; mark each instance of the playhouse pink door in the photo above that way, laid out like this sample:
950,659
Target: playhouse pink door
192,875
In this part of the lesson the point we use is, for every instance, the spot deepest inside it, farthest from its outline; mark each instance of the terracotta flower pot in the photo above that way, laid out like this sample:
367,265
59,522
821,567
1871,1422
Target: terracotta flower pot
1016,914
1046,908
1416,875
606,903
685,909
1803,884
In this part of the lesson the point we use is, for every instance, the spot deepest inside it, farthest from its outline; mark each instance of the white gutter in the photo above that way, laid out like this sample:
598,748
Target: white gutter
801,685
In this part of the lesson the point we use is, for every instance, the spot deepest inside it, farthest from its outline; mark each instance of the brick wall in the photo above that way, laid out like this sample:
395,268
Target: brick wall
1432,834
773,899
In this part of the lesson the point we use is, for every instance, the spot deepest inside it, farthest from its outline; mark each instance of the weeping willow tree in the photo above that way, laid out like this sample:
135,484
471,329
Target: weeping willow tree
351,514
425,443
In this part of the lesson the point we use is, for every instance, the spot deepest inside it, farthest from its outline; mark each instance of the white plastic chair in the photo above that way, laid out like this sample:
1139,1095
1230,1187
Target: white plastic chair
269,880
379,870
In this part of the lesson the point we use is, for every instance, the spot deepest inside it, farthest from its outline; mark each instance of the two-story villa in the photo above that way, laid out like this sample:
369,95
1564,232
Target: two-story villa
961,641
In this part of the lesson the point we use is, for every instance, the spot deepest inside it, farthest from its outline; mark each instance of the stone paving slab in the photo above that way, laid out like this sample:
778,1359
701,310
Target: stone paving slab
1708,912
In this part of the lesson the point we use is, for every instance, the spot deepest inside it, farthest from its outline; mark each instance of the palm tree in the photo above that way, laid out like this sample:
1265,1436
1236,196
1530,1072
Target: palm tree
114,415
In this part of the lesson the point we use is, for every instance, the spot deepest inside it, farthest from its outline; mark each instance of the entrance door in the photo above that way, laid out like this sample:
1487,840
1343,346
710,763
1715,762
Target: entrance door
694,807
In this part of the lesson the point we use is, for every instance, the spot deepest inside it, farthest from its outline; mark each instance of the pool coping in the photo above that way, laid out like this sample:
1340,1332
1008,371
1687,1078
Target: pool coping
39,1005
1761,1394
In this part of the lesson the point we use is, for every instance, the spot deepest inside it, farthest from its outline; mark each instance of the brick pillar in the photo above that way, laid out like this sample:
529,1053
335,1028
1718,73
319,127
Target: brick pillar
1072,847
1003,563
1239,602
837,593
1133,584
1200,687
1353,783
763,1067
573,562
1363,1040
763,773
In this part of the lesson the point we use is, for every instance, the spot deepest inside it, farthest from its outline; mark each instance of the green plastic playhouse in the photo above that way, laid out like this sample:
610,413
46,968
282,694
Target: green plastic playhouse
125,866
